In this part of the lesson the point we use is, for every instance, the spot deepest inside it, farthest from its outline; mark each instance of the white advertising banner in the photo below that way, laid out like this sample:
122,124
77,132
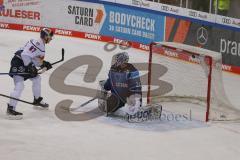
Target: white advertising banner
21,11
174,10
233,22
199,15
73,15
63,14
170,9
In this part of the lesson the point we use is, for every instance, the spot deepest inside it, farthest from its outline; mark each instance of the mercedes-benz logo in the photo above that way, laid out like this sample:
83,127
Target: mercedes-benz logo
202,35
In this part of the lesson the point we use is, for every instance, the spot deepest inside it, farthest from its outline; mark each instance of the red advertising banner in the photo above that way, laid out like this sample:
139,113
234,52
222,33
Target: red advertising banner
63,32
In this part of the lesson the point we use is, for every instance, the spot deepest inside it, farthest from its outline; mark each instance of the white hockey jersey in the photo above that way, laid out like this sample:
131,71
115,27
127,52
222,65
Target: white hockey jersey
33,51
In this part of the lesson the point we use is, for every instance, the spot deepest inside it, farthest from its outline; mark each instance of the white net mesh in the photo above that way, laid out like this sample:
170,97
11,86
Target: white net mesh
186,79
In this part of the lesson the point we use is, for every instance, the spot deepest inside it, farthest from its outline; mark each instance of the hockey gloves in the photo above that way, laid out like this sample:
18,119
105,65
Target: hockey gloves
46,64
32,70
102,83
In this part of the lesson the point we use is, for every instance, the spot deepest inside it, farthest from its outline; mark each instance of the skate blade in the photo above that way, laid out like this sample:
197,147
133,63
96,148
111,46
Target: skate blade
40,108
12,117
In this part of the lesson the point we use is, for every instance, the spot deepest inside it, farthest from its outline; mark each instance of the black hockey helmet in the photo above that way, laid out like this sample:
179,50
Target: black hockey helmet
46,34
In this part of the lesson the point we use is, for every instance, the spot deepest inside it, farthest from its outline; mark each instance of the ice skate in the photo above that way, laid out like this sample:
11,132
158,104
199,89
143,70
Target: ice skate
39,102
12,114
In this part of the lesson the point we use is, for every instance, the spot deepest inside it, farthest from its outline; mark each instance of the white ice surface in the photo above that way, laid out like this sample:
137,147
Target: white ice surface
42,136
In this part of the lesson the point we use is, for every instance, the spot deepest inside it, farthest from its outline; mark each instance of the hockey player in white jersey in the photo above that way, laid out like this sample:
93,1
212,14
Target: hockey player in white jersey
24,66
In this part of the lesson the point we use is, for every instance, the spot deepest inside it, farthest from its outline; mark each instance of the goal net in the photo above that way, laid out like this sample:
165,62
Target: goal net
191,75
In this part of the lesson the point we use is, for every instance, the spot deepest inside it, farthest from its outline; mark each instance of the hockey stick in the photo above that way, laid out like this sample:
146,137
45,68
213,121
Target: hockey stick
62,59
17,99
82,105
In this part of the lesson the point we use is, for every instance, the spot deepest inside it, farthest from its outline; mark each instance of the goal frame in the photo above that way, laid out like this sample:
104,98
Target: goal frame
189,53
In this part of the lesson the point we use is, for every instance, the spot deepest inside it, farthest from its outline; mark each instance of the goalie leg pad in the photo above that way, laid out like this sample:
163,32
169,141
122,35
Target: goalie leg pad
113,104
102,100
150,112
110,105
102,105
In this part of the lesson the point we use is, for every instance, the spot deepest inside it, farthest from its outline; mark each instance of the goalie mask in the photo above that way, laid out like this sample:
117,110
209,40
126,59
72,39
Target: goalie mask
121,58
46,34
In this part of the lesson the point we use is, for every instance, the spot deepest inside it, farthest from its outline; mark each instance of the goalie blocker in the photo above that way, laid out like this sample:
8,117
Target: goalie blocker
125,99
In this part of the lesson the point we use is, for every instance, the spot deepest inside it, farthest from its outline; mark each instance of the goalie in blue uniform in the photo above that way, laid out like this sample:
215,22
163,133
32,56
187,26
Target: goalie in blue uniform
125,86
126,92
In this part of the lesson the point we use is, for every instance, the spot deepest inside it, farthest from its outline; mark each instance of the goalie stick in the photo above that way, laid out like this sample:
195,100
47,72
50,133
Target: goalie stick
98,96
62,59
82,105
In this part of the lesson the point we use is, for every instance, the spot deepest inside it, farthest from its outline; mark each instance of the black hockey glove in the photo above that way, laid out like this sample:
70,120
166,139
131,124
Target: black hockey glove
32,70
46,64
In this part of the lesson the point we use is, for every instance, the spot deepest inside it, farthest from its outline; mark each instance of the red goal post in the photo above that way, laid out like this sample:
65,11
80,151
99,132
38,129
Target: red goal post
183,58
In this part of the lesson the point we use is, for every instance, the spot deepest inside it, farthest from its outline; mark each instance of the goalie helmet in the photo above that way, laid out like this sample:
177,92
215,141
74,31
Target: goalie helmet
46,34
121,58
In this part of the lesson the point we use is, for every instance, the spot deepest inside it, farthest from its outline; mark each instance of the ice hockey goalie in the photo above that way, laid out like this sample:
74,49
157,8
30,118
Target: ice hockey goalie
125,99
